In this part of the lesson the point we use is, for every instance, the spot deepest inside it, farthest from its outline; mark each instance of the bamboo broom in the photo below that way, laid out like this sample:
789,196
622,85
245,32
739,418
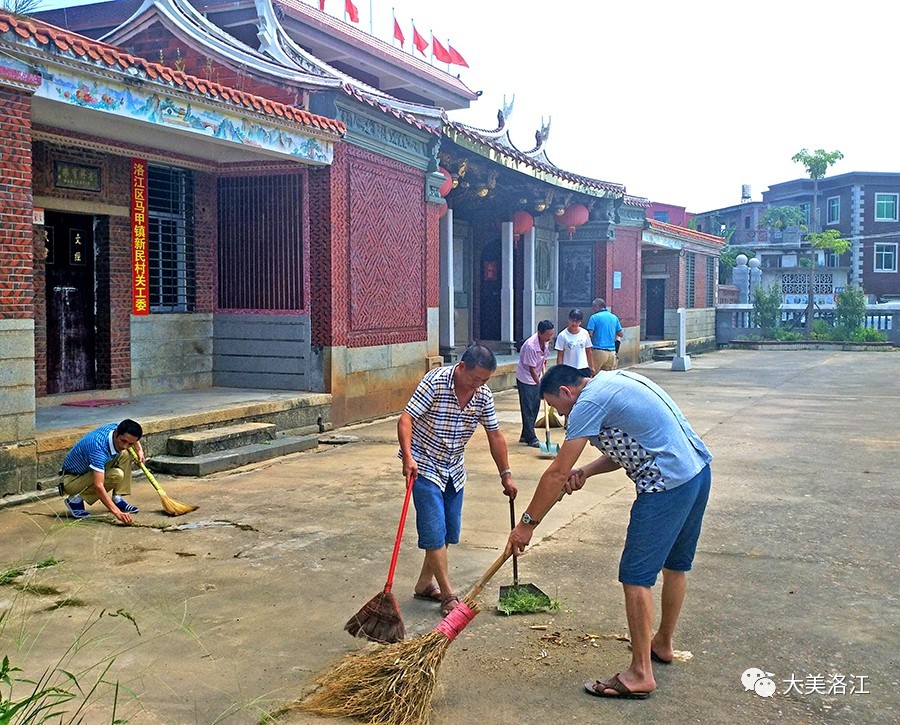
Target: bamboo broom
393,684
173,508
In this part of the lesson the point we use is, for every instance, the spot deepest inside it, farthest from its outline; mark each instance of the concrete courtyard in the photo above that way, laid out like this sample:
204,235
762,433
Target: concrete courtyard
228,613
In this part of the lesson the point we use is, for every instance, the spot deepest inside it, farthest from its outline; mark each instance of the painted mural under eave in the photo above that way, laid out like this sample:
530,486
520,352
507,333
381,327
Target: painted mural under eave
172,112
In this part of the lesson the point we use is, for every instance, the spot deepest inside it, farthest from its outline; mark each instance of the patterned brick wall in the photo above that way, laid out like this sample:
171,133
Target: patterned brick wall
16,229
433,255
388,242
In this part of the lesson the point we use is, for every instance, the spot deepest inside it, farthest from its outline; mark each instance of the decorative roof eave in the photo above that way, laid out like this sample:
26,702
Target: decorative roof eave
517,161
432,128
660,233
350,34
47,45
20,79
182,19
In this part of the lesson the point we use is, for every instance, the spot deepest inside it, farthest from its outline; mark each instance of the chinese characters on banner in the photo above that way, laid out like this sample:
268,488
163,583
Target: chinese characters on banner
140,304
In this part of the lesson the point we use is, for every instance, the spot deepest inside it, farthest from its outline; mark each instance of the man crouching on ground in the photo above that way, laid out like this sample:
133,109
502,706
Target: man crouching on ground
637,427
439,419
98,468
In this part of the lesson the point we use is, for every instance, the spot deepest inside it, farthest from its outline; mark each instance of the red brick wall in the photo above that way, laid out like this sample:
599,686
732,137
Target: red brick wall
622,254
16,229
374,256
205,225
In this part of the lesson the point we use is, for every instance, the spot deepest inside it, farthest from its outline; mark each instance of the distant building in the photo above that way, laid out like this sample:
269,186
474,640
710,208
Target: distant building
863,206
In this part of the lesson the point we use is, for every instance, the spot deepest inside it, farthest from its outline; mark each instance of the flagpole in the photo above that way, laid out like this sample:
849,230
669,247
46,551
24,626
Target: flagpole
371,31
432,45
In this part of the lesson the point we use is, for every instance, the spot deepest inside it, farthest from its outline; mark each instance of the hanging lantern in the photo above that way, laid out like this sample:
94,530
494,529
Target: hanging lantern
523,222
574,216
448,182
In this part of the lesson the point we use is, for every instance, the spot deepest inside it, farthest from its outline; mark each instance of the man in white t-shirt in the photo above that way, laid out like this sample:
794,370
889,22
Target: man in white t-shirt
574,347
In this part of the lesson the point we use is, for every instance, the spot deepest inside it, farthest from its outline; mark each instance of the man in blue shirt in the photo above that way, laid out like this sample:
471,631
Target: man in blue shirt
637,427
98,468
606,335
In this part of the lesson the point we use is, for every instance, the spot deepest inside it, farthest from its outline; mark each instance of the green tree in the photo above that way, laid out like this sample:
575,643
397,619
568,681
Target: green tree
816,165
767,308
21,7
849,311
784,217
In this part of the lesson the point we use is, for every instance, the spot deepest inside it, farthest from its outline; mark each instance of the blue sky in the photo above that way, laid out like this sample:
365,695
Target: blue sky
681,102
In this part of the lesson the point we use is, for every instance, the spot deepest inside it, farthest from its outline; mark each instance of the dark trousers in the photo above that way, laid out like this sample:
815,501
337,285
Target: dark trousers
530,403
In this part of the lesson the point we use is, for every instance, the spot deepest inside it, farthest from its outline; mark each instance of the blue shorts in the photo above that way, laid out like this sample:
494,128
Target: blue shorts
664,530
438,513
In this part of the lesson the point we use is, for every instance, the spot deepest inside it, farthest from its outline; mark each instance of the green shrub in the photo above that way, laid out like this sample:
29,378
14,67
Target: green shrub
821,330
849,308
783,335
767,307
866,334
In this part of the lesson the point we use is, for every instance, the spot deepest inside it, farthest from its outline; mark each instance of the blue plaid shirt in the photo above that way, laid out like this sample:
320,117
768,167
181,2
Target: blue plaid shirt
441,428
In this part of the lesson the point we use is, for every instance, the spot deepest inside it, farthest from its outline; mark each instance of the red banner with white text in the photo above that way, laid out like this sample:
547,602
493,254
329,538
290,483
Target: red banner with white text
140,300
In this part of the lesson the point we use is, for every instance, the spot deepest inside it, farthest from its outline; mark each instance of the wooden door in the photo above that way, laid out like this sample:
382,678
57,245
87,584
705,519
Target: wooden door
491,283
656,309
70,302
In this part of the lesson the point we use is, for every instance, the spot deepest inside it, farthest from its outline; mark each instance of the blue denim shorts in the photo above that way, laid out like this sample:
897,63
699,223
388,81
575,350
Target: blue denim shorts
664,530
438,513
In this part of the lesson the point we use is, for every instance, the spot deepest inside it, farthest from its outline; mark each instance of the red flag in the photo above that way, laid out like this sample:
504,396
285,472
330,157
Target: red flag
419,41
322,5
455,57
398,34
351,11
440,52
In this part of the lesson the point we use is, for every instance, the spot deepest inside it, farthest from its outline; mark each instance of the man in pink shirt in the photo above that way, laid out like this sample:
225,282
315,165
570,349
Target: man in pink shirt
532,358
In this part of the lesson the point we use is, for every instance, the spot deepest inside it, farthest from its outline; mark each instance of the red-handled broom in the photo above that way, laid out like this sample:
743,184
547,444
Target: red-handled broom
379,619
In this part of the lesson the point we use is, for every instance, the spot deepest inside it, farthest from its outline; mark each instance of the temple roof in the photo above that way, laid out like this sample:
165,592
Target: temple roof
684,233
497,146
30,33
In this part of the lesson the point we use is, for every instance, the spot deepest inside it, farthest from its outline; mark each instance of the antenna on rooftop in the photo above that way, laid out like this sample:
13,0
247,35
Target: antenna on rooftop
745,193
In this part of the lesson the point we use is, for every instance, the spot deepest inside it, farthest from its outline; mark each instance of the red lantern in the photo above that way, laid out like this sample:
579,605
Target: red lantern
523,222
574,216
448,182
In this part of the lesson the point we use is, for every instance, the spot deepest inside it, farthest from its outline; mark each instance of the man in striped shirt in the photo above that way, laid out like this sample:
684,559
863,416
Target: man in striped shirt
440,418
98,468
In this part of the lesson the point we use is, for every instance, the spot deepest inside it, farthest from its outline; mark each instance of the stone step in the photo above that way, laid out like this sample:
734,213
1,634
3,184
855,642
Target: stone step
218,461
201,442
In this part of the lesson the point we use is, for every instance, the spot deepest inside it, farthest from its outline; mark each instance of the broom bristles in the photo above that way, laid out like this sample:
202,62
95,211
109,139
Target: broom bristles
391,684
379,620
175,508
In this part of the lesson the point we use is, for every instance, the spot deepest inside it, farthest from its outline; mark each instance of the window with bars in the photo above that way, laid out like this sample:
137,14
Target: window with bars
710,281
261,243
171,239
689,271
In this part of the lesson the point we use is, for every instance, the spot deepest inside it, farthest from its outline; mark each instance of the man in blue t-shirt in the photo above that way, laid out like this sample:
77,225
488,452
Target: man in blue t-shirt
637,427
98,468
606,336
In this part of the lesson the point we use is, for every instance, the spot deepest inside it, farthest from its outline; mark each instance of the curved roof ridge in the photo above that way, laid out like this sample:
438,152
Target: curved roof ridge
182,18
52,39
359,37
545,166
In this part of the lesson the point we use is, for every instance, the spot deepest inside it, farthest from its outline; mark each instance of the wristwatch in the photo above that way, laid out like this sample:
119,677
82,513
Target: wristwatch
527,518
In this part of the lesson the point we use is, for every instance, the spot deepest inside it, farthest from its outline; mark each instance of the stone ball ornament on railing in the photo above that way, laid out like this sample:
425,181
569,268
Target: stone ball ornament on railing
753,263
741,260
573,217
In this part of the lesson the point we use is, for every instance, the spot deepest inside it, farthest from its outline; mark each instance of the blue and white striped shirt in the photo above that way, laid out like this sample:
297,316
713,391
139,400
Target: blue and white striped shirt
92,452
441,428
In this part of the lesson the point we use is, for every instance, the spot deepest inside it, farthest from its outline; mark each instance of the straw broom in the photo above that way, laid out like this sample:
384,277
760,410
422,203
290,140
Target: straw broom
393,684
171,507
379,620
